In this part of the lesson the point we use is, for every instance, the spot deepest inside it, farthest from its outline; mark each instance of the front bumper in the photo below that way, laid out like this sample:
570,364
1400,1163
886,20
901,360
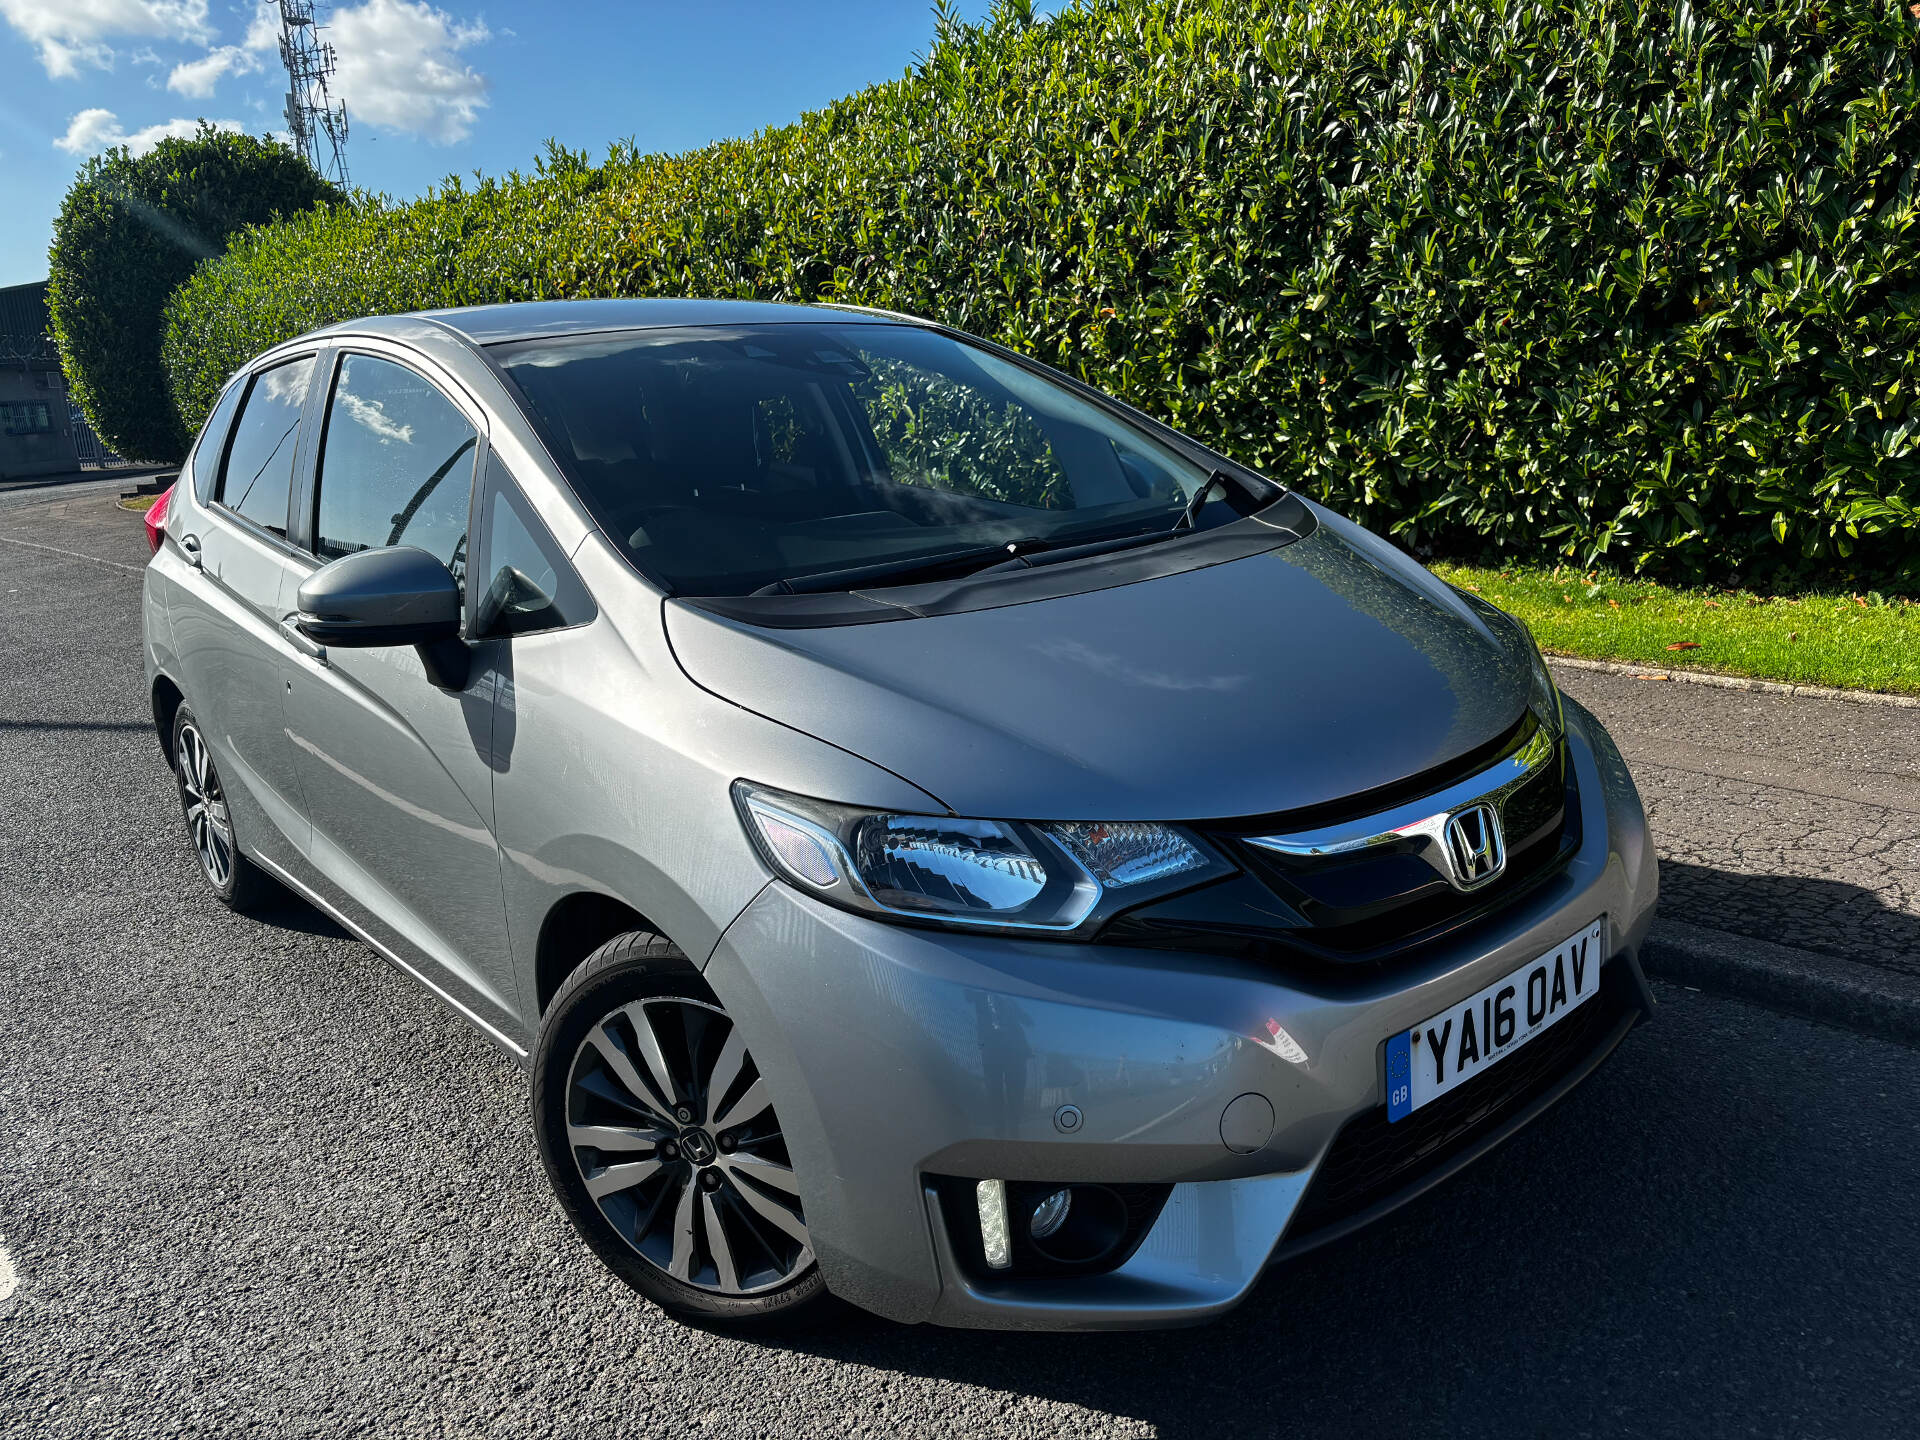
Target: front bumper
901,1054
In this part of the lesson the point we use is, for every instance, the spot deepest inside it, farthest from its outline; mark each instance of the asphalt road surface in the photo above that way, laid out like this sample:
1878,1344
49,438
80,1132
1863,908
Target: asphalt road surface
251,1180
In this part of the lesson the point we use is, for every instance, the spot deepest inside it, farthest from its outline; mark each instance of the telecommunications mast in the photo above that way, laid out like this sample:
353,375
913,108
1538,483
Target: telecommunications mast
318,123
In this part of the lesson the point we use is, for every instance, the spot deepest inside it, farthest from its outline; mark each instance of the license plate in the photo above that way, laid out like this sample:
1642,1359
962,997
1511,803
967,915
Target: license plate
1433,1057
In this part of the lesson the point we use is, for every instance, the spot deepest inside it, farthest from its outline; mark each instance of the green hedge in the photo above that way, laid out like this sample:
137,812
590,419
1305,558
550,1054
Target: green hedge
1604,281
130,230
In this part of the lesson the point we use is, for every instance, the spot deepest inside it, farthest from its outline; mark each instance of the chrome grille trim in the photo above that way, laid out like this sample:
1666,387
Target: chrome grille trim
1419,826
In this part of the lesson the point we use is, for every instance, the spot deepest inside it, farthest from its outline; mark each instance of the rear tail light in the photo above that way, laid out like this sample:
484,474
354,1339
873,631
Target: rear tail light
157,519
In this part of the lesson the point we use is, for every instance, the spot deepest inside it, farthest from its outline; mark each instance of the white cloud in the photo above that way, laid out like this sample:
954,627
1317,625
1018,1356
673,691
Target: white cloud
92,131
400,68
71,33
198,77
372,414
263,30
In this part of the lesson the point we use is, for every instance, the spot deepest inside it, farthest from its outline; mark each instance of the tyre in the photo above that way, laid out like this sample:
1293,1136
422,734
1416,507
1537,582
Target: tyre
661,1141
235,881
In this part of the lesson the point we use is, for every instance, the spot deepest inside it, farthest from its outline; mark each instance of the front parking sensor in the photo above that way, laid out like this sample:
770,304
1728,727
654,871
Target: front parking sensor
1247,1123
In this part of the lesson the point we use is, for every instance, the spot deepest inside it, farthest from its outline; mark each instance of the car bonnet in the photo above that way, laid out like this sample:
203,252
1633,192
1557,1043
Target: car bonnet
1286,679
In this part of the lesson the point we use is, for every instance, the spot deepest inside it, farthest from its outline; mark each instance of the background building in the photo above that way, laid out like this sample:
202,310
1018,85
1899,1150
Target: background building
41,431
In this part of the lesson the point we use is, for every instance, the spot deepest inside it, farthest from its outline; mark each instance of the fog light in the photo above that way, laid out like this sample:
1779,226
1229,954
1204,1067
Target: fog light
1088,1224
991,1198
1050,1214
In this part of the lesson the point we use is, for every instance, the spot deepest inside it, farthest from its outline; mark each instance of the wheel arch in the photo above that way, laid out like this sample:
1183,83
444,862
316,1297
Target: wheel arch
577,925
167,700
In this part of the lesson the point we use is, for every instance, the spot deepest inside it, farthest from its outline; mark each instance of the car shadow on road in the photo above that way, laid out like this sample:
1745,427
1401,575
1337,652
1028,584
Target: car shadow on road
1830,917
288,911
1687,1244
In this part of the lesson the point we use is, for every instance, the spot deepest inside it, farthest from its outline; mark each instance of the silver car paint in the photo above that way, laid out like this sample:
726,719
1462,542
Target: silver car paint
597,764
1274,682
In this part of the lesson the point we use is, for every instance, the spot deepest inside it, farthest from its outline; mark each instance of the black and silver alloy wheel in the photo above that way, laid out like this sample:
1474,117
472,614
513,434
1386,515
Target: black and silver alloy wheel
233,878
660,1136
676,1141
206,806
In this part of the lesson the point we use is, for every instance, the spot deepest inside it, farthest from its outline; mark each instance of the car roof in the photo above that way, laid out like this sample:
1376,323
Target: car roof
539,319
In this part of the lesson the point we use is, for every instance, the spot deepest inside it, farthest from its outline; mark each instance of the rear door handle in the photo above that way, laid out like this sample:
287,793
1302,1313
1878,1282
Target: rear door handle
190,547
310,648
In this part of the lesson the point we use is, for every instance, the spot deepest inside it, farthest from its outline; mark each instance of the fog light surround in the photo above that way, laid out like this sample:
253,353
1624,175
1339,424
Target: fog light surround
1092,1231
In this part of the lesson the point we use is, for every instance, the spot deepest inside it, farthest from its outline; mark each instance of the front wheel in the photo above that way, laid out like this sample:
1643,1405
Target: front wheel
659,1135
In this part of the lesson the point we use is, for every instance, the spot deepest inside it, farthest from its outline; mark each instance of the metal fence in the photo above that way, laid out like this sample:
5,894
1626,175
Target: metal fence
93,451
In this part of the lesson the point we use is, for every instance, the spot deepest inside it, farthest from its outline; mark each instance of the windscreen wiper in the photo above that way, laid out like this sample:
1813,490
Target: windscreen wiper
894,571
1052,555
1010,555
1217,480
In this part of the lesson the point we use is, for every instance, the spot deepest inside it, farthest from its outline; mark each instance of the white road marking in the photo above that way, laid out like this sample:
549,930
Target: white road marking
73,554
9,1280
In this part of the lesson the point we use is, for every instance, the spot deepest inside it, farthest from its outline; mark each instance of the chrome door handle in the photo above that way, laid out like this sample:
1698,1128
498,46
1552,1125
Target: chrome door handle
310,648
190,547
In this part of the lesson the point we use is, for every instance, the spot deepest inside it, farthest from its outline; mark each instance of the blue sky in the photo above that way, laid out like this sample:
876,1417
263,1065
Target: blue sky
431,89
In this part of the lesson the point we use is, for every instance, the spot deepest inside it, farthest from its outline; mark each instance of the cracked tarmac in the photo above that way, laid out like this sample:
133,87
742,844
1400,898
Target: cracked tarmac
1783,818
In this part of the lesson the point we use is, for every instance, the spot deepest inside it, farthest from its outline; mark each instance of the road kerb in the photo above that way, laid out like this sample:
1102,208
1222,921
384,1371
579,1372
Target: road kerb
1863,998
1735,682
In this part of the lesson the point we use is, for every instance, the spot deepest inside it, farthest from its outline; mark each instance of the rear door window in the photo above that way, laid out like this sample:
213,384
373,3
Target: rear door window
259,469
396,465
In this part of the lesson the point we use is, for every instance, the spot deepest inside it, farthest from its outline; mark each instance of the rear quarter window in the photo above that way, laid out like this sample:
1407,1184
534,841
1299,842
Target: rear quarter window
257,479
204,464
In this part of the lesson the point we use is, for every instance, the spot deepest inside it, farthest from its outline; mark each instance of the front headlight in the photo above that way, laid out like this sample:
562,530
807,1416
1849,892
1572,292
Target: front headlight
986,874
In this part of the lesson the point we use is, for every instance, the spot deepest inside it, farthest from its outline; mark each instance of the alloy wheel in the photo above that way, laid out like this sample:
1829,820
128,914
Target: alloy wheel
674,1135
206,806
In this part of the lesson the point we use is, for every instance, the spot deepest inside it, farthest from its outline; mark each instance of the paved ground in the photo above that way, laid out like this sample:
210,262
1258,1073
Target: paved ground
253,1181
1783,818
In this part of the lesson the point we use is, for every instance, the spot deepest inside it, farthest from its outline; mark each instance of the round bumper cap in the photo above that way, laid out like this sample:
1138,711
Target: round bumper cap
1246,1124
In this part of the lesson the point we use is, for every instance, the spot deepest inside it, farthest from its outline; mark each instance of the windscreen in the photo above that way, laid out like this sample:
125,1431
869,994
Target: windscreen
730,459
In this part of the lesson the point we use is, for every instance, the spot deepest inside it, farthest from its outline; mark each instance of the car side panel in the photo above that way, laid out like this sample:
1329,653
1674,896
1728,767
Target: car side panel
397,776
613,775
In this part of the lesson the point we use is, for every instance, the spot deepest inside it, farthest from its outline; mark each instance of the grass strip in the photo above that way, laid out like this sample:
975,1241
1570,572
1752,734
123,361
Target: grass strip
1861,642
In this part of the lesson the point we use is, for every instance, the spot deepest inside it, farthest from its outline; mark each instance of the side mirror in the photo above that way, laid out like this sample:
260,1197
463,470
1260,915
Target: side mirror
399,595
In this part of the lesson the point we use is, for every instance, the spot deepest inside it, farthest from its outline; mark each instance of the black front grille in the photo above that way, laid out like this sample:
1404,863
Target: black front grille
1356,914
1378,904
1373,1158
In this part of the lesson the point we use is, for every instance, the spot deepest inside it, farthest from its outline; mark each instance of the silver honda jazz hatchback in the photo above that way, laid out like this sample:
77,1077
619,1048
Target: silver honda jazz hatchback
934,834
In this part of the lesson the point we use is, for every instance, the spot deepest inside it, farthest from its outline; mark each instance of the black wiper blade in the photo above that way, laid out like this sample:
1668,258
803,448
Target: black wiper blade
859,576
1049,555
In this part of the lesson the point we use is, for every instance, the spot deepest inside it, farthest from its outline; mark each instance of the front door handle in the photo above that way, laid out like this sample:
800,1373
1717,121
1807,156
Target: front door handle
307,646
190,547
